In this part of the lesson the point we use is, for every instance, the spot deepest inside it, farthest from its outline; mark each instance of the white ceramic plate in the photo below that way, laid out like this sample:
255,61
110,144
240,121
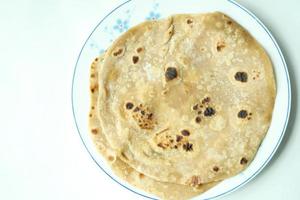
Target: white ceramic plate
133,12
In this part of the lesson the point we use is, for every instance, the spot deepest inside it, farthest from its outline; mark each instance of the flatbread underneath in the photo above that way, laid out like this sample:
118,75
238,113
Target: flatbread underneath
168,191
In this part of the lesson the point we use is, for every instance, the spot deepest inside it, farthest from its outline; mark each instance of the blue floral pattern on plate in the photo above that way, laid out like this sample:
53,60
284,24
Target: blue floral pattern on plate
153,16
121,25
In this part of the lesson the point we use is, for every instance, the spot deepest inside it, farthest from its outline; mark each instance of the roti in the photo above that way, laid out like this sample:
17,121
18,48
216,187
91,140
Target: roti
186,100
163,190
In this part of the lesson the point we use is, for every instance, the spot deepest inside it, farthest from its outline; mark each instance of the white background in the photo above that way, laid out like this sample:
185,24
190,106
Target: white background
41,154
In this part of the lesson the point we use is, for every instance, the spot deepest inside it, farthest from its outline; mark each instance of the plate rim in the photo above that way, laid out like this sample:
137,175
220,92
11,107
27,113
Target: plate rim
252,15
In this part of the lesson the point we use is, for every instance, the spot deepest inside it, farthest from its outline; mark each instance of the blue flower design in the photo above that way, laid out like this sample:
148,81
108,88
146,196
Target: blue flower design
92,45
153,16
121,26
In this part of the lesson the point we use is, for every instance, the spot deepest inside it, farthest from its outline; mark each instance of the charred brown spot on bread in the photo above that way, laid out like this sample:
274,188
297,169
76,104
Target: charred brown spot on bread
139,50
229,22
187,146
141,175
129,105
111,158
150,115
243,161
118,52
94,131
90,115
195,107
92,75
185,132
206,100
178,138
209,111
144,118
124,156
164,140
136,109
94,88
161,145
220,46
194,181
171,73
241,76
135,59
216,168
93,107
242,114
189,21
199,112
145,126
198,119
256,74
96,59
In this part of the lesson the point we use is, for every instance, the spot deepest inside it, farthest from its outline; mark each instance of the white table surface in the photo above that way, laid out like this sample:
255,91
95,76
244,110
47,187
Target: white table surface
41,154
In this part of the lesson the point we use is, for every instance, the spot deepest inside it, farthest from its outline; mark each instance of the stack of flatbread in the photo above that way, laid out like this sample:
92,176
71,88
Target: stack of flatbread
180,104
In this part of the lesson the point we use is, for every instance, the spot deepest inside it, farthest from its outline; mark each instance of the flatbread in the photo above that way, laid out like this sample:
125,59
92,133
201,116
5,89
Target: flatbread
163,190
187,99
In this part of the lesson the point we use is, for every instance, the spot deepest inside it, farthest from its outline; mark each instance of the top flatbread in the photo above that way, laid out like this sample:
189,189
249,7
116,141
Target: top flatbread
187,99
